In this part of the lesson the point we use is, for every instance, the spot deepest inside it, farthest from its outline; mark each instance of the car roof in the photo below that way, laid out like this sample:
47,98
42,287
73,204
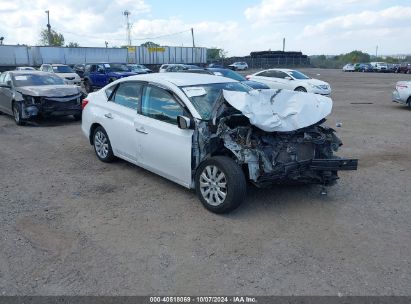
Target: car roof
281,70
182,79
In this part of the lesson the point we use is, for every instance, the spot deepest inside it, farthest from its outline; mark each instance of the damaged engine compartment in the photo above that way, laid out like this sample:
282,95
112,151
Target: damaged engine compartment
304,155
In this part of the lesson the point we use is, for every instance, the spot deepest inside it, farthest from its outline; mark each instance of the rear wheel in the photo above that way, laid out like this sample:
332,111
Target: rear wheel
220,184
102,145
300,89
17,114
409,102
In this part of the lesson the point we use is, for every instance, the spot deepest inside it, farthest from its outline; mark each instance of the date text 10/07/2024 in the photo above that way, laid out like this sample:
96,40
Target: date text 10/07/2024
206,299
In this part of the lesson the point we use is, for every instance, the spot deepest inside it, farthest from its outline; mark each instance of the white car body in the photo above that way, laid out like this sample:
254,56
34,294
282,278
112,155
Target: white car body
348,68
182,126
379,66
402,93
69,77
240,66
288,79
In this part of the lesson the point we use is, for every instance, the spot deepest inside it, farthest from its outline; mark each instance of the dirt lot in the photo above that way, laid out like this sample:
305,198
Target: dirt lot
73,225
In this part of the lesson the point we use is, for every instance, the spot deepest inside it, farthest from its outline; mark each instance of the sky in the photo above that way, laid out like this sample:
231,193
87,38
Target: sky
312,26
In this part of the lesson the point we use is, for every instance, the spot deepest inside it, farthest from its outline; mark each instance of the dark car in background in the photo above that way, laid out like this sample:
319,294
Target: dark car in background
98,75
364,67
404,68
79,69
236,76
139,68
30,94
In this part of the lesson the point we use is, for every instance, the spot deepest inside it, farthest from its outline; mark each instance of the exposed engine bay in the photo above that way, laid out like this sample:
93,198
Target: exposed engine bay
304,155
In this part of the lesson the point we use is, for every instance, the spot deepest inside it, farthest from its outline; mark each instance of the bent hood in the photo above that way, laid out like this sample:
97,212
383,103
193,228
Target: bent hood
49,90
280,110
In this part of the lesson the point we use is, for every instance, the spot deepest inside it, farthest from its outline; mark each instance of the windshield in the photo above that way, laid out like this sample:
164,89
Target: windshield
204,96
298,75
62,69
36,80
118,67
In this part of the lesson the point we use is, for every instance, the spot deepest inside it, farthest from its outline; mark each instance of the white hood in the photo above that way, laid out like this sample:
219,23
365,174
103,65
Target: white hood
68,75
280,110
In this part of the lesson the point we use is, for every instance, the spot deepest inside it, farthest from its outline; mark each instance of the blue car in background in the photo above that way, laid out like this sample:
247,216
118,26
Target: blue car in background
98,75
234,75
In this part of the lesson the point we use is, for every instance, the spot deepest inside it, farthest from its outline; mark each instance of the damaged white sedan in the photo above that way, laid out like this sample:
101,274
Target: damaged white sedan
214,134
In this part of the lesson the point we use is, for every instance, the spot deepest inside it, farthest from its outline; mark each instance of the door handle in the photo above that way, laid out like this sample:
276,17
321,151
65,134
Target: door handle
108,115
141,130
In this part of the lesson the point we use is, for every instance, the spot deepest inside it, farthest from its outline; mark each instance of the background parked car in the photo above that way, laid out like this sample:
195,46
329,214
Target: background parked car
404,68
402,93
349,67
291,80
98,75
234,75
25,68
181,67
30,94
239,66
216,65
164,67
63,71
79,69
365,67
139,69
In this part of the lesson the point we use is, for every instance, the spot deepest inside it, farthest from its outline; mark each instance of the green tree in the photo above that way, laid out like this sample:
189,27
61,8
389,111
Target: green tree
215,53
73,44
150,44
56,39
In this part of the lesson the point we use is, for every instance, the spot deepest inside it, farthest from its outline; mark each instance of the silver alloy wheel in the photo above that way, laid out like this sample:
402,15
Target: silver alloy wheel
16,113
213,185
101,144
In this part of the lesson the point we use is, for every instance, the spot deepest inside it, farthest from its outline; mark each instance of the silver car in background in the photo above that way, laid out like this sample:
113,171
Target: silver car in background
402,93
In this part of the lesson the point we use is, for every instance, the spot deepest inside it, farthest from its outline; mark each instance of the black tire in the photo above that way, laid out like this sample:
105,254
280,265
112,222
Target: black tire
409,102
300,89
16,106
234,189
101,141
87,86
77,117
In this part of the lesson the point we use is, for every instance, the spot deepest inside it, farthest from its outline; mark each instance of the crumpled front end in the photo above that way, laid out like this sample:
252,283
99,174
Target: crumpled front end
302,156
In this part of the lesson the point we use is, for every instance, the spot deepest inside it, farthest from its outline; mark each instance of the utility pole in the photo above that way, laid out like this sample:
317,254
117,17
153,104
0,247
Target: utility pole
376,51
283,44
128,26
48,26
106,44
192,36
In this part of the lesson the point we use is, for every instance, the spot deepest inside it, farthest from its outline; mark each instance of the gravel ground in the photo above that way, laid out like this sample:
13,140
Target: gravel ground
72,225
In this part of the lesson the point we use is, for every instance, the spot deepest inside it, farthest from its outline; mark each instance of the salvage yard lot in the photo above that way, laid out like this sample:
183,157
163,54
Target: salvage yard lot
72,225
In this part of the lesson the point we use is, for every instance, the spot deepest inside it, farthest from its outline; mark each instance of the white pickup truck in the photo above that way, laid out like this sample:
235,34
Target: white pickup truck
402,93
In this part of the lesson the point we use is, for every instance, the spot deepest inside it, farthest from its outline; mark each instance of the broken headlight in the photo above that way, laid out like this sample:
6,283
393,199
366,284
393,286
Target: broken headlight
29,100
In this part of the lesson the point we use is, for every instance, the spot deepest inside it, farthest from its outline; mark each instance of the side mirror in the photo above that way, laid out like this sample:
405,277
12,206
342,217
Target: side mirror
184,122
288,78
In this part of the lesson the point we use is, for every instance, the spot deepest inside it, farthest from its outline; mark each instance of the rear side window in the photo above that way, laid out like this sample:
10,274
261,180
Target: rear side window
128,94
159,104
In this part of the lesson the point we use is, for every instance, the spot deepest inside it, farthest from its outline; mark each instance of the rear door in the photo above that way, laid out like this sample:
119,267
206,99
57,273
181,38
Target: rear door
118,116
163,147
268,78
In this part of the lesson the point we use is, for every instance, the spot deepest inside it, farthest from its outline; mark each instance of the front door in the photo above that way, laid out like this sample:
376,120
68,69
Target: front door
163,147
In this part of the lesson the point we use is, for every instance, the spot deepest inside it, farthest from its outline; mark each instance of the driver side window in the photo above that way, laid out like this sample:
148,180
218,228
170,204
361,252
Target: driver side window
159,104
2,77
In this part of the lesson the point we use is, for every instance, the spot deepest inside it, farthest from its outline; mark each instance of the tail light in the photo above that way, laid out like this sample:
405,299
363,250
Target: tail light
401,86
84,102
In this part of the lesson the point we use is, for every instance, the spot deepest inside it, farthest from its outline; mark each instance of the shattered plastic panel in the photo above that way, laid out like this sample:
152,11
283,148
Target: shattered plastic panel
280,110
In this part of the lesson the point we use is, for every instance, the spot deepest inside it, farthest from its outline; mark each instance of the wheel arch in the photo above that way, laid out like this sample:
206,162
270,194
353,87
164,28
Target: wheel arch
93,127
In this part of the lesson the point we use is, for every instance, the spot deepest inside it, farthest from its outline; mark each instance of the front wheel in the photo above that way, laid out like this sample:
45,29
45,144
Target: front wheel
300,89
220,184
17,114
102,145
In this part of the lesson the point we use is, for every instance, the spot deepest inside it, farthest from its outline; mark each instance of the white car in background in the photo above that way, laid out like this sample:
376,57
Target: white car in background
239,66
402,93
212,133
349,67
291,80
164,67
63,71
